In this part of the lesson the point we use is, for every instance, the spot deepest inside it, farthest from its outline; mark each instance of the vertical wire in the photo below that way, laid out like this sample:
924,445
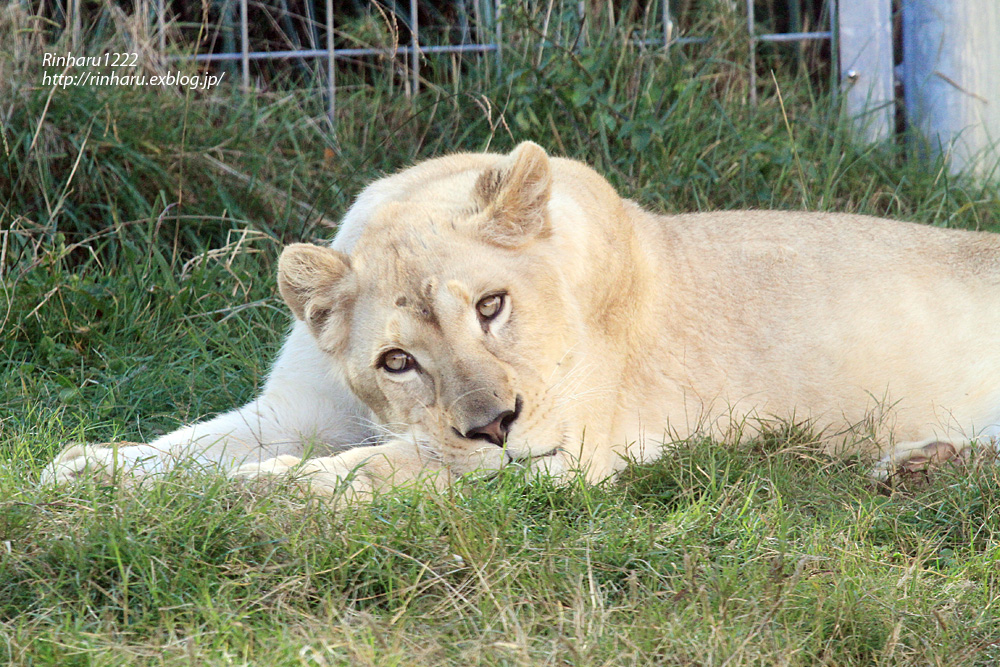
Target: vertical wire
331,68
498,17
161,20
751,30
245,44
415,47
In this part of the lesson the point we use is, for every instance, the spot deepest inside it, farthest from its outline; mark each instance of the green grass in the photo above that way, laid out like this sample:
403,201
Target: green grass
762,556
138,233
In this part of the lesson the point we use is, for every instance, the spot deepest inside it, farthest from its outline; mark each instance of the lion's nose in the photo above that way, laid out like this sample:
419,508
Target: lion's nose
496,431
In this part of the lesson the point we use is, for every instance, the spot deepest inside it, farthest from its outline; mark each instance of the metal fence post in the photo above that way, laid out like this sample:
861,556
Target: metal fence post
865,30
951,76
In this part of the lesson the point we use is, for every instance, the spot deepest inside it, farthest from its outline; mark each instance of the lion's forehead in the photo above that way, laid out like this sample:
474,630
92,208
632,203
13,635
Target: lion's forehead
411,226
415,301
419,271
401,262
412,307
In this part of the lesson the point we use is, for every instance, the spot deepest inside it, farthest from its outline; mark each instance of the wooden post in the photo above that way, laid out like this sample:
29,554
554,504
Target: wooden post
951,79
865,32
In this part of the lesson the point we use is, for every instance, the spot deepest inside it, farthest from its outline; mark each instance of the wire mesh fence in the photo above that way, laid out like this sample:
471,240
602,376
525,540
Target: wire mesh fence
325,36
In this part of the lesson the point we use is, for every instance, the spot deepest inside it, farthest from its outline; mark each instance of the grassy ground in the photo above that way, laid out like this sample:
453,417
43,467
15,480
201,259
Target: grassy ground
140,229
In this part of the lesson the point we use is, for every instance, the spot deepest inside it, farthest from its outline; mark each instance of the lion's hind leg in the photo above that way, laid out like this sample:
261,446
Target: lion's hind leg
918,456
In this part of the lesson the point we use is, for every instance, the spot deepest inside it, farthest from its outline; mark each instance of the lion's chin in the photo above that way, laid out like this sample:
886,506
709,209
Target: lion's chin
482,460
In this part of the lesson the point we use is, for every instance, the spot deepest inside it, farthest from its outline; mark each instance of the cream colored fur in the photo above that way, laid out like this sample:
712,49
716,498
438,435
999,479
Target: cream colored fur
620,331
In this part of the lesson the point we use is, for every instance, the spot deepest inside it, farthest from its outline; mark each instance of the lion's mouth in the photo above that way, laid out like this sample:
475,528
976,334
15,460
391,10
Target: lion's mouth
534,457
527,459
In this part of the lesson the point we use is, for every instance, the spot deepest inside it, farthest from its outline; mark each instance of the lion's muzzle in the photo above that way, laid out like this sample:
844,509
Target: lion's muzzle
496,430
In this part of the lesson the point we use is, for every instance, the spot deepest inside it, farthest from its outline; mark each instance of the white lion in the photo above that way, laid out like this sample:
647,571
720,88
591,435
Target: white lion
477,311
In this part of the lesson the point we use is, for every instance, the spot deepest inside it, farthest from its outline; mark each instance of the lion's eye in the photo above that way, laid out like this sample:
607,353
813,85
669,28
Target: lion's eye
490,306
397,361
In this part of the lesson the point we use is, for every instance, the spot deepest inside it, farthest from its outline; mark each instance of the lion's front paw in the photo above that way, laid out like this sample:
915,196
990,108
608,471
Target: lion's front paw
279,465
326,476
80,461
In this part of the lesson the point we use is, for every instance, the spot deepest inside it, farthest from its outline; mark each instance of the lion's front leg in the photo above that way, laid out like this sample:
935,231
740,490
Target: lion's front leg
106,462
358,472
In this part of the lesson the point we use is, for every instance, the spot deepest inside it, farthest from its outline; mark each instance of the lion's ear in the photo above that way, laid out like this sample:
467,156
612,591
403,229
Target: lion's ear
318,285
514,196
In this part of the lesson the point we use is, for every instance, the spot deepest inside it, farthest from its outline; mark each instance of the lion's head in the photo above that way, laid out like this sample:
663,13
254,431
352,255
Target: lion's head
450,318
